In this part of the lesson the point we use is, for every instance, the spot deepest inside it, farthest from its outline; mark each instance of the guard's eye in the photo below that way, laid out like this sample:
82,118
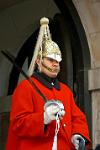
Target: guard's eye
51,60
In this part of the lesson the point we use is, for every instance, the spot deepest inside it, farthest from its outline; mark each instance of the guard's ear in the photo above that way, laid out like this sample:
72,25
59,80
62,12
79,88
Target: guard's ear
38,61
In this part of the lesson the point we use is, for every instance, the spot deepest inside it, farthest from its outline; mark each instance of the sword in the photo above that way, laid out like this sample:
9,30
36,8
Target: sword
10,57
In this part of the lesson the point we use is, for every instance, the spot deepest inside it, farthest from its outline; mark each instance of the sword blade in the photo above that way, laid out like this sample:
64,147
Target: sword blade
10,57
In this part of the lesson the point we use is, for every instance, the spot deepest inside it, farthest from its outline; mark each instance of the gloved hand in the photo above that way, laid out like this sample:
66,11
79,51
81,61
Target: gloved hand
52,108
50,113
75,140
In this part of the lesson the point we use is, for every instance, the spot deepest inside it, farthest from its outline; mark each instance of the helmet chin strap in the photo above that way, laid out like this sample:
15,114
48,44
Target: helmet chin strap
49,69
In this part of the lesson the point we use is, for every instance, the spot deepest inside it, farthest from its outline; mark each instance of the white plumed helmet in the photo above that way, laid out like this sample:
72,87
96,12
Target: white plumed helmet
45,47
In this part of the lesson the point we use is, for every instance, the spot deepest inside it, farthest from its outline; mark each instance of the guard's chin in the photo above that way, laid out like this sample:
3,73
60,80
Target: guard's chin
53,75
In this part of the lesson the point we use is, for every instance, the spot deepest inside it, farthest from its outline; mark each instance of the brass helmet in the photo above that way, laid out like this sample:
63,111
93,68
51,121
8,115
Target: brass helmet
50,49
45,47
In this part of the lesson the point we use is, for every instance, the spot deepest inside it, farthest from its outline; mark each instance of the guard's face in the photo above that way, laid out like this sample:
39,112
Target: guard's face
49,66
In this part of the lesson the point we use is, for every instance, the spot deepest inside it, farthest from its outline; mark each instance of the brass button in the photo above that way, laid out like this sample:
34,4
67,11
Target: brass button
64,125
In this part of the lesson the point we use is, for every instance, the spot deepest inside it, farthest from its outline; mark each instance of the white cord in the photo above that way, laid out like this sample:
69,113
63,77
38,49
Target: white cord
54,147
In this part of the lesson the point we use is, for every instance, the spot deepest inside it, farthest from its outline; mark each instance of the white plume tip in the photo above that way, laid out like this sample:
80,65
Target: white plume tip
44,21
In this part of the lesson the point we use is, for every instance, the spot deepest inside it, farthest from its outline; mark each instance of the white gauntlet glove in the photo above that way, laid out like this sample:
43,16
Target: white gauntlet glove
50,113
76,139
51,109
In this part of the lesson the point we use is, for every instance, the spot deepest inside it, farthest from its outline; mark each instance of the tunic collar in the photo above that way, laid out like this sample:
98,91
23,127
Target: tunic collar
47,81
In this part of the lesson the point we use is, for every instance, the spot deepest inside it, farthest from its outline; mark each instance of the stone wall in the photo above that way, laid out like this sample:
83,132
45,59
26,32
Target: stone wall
88,11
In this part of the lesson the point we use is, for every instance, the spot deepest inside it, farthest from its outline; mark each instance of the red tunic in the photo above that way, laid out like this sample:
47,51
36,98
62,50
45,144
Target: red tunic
27,131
